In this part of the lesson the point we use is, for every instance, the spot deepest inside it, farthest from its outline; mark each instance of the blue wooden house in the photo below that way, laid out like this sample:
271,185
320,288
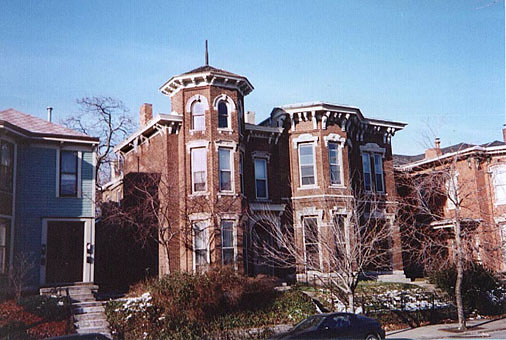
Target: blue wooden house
47,200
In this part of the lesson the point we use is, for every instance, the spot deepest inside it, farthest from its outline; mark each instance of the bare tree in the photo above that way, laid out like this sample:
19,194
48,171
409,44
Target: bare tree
438,223
21,272
152,206
106,118
338,253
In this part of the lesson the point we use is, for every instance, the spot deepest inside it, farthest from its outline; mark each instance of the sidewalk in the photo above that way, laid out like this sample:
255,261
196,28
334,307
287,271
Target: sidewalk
481,329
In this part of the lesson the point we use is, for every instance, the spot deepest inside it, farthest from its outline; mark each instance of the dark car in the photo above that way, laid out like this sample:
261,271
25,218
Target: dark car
92,336
336,326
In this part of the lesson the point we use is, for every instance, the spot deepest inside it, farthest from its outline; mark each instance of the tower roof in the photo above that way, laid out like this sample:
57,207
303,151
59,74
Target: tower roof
206,75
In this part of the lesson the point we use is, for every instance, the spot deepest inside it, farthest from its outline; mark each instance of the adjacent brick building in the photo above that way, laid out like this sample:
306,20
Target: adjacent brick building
479,179
224,172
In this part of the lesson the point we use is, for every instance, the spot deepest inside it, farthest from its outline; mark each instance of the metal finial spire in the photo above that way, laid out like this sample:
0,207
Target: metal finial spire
207,56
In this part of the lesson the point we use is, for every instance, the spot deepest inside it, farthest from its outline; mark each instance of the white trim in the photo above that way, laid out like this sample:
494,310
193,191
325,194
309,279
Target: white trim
299,223
315,184
199,143
194,98
88,237
79,172
340,147
234,218
232,169
192,162
206,226
334,137
304,138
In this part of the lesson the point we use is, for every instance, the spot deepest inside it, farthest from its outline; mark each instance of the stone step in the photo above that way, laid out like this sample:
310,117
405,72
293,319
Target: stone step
393,278
82,297
87,303
90,316
71,288
83,310
92,324
100,330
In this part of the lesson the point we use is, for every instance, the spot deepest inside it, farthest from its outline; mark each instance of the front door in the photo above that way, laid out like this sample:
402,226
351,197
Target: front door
65,251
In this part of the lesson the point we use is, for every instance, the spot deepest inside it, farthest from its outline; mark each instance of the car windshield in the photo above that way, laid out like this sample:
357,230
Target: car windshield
308,323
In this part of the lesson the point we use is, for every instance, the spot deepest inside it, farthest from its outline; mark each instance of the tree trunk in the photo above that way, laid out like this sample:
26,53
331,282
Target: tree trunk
351,302
460,272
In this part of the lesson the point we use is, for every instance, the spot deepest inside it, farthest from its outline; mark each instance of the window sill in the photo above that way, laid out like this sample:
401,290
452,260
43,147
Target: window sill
223,130
263,200
337,186
198,194
308,187
226,193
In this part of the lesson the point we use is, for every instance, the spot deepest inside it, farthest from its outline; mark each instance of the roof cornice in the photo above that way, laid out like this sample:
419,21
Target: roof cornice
215,78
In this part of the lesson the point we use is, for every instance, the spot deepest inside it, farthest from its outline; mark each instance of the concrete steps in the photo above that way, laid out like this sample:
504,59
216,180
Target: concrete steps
395,276
89,314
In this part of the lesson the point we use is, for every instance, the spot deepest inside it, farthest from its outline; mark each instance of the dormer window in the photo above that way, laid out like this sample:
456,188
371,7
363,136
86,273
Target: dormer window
198,110
222,115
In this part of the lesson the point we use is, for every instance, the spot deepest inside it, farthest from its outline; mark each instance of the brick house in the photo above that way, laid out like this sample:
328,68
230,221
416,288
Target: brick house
479,177
47,200
224,171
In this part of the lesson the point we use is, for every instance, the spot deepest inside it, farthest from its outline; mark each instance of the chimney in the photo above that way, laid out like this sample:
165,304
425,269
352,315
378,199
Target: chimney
50,113
145,114
250,117
504,132
434,152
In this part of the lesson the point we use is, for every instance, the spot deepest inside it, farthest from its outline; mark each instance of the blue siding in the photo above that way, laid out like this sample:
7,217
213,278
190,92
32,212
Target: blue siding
36,197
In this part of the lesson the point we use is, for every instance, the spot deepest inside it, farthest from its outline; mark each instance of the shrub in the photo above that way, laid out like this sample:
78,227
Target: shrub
481,291
195,306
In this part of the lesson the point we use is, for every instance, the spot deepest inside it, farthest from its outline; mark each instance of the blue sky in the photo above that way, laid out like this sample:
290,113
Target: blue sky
436,65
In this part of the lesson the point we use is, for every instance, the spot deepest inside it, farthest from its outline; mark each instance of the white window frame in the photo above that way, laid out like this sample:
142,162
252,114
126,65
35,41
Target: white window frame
496,172
234,241
192,162
339,158
79,171
197,98
266,178
316,218
205,224
231,109
315,177
230,169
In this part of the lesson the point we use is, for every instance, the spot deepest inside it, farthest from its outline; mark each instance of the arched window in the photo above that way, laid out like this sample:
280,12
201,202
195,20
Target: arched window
198,119
222,115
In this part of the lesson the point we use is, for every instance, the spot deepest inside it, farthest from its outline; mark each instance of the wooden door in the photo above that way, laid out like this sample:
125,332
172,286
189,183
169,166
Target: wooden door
65,251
